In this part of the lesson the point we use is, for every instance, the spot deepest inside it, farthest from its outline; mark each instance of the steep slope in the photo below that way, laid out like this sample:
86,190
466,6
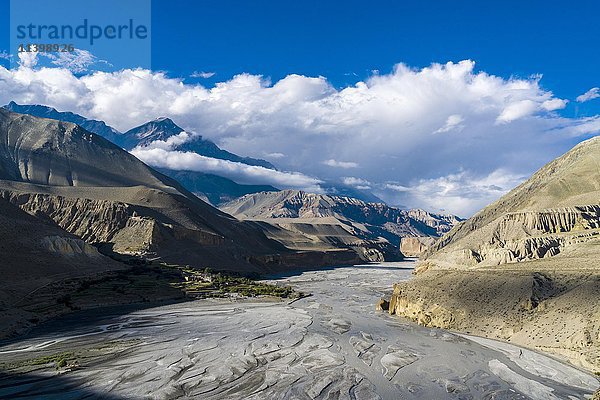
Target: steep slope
45,252
339,220
90,125
35,254
143,135
214,188
525,268
57,171
50,152
557,208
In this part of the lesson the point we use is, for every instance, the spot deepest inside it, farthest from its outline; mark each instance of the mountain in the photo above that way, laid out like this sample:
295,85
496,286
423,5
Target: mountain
91,125
95,190
49,152
214,188
34,254
523,269
158,129
339,220
555,211
164,128
334,188
72,203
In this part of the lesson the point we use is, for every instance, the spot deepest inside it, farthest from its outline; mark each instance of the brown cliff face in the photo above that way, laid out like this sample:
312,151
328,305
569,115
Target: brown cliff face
36,254
551,310
372,230
556,209
523,269
89,187
415,246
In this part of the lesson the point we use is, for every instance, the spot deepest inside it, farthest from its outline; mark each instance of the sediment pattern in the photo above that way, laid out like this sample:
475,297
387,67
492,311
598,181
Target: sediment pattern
331,345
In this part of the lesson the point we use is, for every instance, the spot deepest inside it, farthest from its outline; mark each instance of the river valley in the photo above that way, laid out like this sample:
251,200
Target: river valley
330,345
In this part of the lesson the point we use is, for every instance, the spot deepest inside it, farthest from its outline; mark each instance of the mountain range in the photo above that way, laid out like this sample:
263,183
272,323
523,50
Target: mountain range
214,188
338,220
523,269
211,187
72,204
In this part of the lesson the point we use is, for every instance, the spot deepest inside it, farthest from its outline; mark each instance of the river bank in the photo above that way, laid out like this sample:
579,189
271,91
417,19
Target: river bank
332,344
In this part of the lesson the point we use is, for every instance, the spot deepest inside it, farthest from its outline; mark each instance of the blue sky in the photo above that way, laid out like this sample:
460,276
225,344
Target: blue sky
275,38
437,105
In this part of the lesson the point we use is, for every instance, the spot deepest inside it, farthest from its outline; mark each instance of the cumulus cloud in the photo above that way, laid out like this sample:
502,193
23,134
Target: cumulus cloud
358,183
202,74
188,161
459,191
412,128
591,94
340,164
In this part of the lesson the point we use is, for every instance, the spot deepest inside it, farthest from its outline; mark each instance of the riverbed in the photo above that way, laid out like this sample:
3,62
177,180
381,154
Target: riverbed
330,345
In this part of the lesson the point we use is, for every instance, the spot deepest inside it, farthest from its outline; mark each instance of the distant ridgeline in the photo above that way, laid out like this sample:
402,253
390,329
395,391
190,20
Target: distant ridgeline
362,221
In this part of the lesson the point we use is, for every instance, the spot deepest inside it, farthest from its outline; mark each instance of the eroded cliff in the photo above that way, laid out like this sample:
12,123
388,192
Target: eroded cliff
523,269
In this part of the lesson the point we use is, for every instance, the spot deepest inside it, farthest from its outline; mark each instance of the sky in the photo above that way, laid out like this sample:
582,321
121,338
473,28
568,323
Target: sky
440,105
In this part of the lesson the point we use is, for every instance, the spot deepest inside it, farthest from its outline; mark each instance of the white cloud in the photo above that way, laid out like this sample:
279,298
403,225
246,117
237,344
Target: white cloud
396,187
381,127
77,61
161,154
4,55
454,122
517,110
358,183
554,104
171,142
274,155
340,164
459,191
242,173
202,74
591,94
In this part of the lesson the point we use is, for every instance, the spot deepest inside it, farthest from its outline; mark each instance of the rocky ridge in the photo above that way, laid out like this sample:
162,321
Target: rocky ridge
525,268
371,227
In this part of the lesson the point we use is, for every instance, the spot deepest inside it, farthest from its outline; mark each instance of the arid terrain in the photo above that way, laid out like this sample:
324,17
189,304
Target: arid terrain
524,269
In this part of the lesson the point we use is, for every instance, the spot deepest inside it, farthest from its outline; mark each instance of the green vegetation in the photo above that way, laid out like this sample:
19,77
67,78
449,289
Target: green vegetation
206,283
145,282
59,360
19,363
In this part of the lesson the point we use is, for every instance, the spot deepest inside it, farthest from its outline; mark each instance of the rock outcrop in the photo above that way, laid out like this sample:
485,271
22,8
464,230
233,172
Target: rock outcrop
91,188
35,254
67,246
415,246
551,311
557,207
525,268
373,230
